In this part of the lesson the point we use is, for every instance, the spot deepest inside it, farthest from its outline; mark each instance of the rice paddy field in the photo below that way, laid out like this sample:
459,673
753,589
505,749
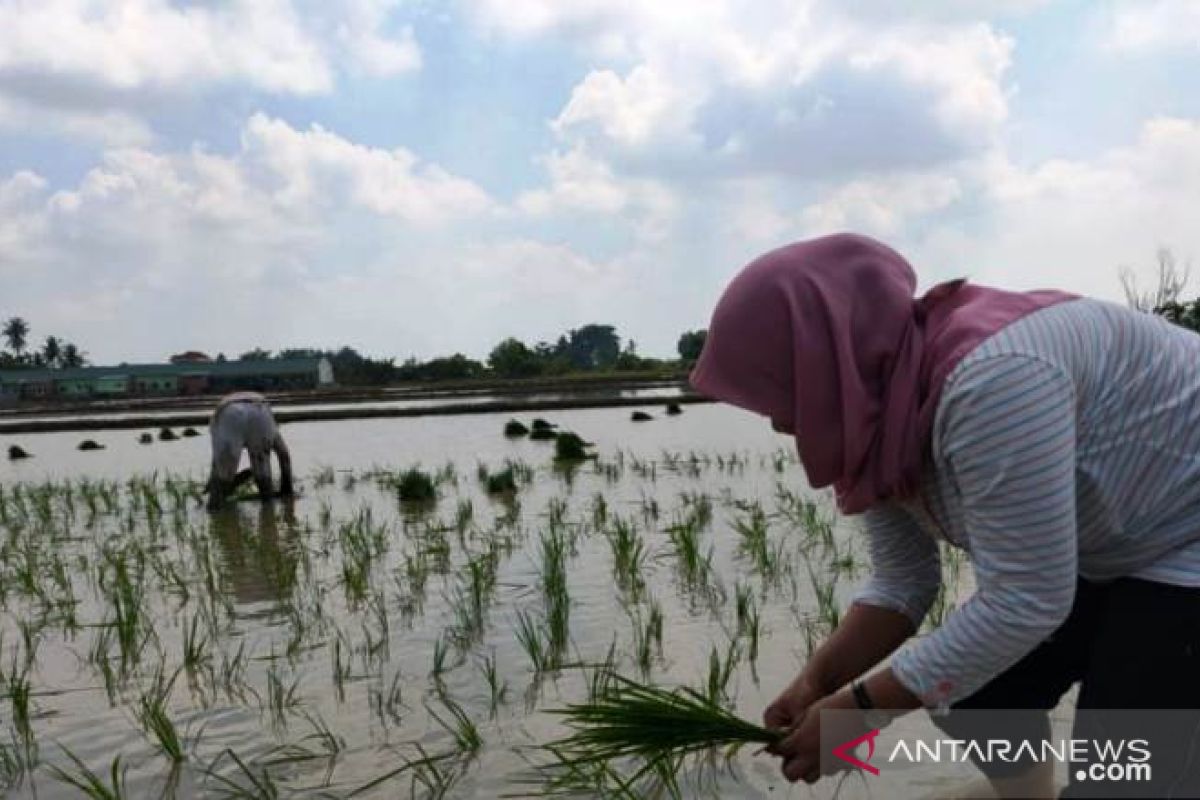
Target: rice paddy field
407,626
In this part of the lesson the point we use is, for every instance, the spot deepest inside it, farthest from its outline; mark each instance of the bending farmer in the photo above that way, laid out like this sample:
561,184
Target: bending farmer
243,421
1055,439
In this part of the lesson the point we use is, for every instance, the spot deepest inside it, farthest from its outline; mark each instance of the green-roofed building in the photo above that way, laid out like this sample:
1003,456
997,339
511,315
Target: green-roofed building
142,380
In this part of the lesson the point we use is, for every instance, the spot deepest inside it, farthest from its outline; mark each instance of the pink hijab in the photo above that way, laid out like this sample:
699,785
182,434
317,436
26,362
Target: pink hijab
825,337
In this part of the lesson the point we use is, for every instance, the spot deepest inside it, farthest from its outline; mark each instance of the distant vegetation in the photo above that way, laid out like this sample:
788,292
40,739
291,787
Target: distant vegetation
54,353
593,349
1166,299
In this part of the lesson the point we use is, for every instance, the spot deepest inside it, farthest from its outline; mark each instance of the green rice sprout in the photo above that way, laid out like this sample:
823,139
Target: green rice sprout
415,486
91,784
648,725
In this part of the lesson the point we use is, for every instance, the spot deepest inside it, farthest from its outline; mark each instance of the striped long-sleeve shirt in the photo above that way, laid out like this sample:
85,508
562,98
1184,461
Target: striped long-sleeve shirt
1067,444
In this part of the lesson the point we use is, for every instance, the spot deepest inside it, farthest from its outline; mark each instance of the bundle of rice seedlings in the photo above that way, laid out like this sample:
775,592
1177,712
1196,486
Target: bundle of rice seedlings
145,438
640,416
543,434
167,435
16,452
416,486
503,482
570,447
190,432
90,444
514,428
673,409
654,728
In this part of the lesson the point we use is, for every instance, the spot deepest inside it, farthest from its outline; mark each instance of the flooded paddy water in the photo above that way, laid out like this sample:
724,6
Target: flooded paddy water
350,644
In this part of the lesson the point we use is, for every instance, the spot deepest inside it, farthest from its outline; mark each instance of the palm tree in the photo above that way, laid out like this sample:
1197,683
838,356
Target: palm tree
71,356
52,351
15,331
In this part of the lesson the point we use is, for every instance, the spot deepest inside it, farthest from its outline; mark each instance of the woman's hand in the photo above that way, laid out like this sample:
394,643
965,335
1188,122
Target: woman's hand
787,710
801,750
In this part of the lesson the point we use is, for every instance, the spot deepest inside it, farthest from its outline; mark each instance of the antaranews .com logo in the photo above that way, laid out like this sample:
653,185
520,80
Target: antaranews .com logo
1133,753
1090,759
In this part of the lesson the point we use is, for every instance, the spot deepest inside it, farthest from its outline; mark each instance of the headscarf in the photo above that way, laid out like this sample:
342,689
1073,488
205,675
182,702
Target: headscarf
825,337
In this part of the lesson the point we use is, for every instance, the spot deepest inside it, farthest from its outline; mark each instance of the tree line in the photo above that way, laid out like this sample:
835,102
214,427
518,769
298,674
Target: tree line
593,348
54,352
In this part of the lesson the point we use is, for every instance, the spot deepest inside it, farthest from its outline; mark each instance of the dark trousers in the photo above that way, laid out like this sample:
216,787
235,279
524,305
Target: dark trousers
1131,644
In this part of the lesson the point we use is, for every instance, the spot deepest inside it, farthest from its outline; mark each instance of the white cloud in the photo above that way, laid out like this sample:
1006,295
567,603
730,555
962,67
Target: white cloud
317,168
132,44
182,241
1151,25
1072,223
639,109
111,128
880,206
580,182
92,70
730,88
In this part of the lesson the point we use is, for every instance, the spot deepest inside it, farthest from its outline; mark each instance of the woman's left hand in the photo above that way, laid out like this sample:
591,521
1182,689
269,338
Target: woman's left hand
801,749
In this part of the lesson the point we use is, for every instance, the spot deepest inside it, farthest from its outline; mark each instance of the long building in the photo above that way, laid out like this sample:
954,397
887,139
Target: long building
164,380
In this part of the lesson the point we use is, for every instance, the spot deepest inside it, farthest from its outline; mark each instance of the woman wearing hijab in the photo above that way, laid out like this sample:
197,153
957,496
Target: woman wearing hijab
1055,439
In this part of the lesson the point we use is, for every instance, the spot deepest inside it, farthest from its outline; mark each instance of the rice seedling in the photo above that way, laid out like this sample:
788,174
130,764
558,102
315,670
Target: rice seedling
720,672
91,784
629,555
258,784
633,730
647,637
695,564
497,686
828,610
415,486
467,739
570,447
156,722
20,694
282,697
426,774
196,644
755,544
529,635
599,509
13,766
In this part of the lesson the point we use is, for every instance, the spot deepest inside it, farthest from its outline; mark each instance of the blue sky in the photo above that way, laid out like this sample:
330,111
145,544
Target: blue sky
418,178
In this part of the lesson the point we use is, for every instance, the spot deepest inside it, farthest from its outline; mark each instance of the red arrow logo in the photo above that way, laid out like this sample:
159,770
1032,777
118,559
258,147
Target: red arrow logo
845,751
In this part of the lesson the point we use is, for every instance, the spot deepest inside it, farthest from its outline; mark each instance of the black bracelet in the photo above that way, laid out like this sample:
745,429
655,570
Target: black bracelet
861,698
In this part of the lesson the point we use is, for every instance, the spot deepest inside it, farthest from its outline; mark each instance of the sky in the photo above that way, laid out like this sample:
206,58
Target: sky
418,178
